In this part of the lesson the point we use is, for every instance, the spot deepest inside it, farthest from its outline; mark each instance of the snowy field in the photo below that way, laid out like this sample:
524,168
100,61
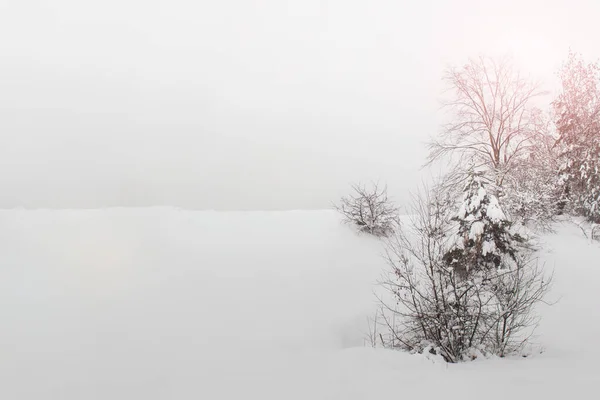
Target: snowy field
160,303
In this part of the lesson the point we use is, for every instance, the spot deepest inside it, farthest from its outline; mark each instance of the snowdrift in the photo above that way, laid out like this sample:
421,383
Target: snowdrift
162,303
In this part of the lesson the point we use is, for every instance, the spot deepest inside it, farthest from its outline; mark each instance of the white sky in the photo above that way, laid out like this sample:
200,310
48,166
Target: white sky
244,104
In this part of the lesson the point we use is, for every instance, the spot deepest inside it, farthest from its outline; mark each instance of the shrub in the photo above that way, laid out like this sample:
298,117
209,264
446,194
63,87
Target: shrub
370,210
458,288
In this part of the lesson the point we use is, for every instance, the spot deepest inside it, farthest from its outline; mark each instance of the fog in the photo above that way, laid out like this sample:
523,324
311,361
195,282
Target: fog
244,104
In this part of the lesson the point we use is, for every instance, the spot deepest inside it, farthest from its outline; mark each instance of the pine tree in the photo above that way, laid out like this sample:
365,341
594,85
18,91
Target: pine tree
484,237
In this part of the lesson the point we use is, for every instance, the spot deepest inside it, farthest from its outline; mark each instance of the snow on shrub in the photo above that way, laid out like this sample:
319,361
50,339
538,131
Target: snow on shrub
461,283
370,210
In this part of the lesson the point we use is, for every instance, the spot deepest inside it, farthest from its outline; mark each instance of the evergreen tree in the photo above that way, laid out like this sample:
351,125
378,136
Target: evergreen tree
577,111
484,237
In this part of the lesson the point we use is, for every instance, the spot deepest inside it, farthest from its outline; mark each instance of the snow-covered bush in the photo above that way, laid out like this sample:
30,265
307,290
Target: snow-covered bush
370,210
461,283
590,230
532,202
531,190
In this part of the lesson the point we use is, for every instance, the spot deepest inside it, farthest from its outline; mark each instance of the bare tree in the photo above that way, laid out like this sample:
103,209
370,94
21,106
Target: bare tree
370,209
493,120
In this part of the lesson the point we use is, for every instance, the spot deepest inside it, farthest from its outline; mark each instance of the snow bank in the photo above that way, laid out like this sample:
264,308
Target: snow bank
168,304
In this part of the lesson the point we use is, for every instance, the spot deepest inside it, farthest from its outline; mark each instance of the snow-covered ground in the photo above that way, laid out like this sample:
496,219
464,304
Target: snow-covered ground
162,303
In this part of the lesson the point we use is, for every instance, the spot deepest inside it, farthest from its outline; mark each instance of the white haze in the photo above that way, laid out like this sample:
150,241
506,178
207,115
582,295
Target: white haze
235,104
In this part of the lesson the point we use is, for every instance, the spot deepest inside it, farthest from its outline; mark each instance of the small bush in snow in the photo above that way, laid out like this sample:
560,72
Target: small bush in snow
370,210
461,283
590,230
